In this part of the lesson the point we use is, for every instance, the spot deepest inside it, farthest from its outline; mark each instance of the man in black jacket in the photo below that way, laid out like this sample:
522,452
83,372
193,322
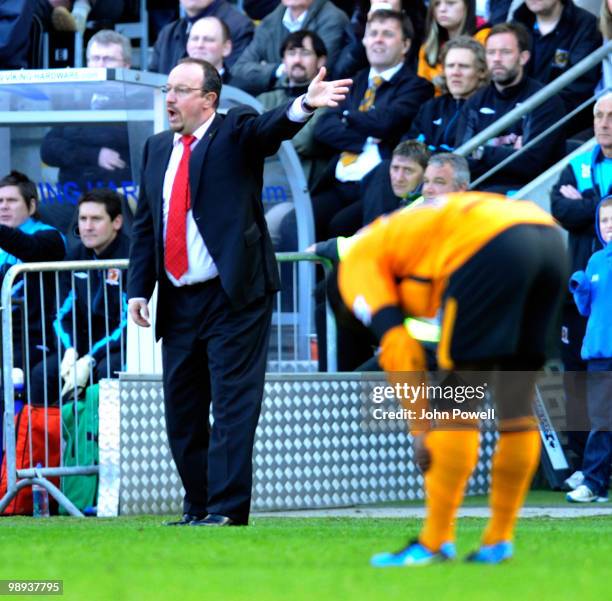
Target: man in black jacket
507,52
395,183
91,156
562,35
365,129
465,71
91,320
200,235
210,40
171,43
25,239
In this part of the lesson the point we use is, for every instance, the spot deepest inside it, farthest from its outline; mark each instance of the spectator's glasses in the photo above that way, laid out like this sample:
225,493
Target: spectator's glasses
180,91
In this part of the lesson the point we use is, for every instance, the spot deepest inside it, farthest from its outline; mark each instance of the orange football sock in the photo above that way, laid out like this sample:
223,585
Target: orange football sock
515,461
454,454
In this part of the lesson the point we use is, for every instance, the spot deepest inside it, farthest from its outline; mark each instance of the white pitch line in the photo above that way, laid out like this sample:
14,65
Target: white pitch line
570,512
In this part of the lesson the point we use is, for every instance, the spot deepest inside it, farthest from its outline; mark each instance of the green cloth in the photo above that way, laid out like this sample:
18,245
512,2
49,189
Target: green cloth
80,435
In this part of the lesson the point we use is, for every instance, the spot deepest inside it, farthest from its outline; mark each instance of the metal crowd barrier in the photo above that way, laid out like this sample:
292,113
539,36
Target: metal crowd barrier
534,101
40,462
293,348
293,344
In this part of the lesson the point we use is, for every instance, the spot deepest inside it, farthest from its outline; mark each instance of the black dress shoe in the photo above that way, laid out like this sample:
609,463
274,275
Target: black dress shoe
187,519
214,519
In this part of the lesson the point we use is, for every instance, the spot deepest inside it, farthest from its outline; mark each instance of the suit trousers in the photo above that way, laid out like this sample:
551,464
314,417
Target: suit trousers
214,361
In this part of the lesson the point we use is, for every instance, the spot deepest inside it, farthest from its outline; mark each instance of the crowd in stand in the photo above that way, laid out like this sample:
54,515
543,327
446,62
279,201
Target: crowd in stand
439,72
427,78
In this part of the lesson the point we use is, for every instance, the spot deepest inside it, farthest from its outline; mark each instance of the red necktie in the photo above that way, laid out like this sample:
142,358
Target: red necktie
180,202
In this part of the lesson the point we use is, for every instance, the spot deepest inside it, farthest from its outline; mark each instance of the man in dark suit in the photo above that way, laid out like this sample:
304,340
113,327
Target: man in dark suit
200,234
210,40
171,43
365,129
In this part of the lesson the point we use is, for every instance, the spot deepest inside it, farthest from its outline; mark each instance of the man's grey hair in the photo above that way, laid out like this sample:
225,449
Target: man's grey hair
606,96
106,37
459,165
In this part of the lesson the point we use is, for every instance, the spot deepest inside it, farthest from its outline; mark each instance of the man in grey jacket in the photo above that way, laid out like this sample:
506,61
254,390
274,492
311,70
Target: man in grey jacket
260,65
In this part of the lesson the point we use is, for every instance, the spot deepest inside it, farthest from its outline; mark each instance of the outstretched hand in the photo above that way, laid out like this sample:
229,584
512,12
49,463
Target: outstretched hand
327,93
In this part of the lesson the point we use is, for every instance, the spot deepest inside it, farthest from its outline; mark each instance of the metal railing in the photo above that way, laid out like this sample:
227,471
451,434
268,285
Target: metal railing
18,477
294,342
302,335
534,101
290,335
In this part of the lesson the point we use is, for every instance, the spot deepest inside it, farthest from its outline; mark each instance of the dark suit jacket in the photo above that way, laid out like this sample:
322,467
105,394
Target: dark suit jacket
171,42
15,26
396,104
226,178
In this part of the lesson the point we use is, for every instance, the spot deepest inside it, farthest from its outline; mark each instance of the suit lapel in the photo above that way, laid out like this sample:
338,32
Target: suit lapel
198,156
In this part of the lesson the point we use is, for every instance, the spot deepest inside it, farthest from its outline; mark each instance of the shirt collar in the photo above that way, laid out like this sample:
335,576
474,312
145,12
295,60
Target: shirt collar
294,25
387,74
198,133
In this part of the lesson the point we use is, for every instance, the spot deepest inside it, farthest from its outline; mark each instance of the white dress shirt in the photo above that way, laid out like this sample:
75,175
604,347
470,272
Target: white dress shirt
201,266
370,155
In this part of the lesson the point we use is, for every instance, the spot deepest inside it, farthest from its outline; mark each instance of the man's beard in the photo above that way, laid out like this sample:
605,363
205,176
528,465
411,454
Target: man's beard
506,78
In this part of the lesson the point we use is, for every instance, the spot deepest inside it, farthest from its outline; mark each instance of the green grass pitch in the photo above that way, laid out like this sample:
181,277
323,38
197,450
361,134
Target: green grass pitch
293,559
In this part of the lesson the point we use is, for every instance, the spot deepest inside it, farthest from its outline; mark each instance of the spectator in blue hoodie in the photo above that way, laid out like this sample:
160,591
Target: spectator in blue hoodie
592,290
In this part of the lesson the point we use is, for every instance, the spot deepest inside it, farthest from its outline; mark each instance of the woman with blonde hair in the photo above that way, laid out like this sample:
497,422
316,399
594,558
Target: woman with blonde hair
446,20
